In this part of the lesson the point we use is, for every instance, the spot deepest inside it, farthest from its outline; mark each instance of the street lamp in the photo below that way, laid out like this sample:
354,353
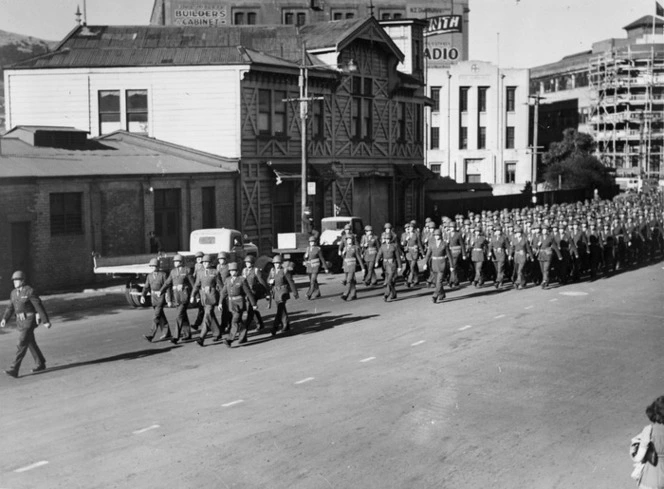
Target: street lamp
304,99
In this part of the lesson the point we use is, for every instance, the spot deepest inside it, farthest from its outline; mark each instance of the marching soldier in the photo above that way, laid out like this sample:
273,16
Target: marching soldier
206,289
199,267
437,254
596,251
258,286
180,281
314,259
237,293
391,260
345,234
580,252
546,249
565,244
222,268
521,253
153,284
413,249
282,286
369,246
478,245
26,304
457,252
619,233
351,257
608,245
499,248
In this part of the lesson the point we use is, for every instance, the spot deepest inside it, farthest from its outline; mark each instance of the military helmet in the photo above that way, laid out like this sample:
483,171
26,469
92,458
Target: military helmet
178,258
206,259
250,259
368,228
223,255
154,262
199,254
438,232
232,266
276,259
312,239
387,236
388,225
347,227
18,275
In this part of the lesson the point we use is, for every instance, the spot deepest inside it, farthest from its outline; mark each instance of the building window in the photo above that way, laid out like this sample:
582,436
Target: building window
435,138
509,137
435,168
510,172
418,55
109,111
401,119
280,117
435,96
66,213
264,119
463,99
343,14
481,137
362,110
418,123
473,178
137,111
209,207
392,14
510,99
463,137
244,17
481,98
272,112
318,129
295,17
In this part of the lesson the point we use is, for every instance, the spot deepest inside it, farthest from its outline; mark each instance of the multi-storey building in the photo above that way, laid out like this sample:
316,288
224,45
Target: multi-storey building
615,92
479,124
234,91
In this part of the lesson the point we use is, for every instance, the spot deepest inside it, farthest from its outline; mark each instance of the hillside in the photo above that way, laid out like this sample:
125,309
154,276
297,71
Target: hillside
15,48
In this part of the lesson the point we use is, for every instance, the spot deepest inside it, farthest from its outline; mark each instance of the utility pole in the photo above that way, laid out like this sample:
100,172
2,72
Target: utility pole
536,105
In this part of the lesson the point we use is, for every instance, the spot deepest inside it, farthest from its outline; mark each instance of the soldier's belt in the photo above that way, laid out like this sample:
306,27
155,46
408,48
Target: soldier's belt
438,257
389,260
178,287
478,249
350,261
236,297
521,252
455,248
208,289
22,316
314,262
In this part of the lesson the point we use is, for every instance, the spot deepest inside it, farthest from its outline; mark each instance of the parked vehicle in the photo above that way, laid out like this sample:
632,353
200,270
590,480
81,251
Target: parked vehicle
294,245
209,241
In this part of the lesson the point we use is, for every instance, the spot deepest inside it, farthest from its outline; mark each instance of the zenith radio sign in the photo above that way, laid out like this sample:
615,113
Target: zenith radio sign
443,24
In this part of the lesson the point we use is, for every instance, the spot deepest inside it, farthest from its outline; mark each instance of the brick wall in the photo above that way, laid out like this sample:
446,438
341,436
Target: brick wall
122,219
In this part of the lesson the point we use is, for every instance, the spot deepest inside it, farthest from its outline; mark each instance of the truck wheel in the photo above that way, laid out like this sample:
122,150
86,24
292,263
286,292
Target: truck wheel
333,261
132,294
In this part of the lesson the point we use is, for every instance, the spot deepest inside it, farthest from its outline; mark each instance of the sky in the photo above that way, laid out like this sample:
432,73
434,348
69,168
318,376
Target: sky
530,32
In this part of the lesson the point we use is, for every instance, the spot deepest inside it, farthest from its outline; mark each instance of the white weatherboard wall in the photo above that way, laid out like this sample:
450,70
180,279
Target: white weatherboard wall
198,107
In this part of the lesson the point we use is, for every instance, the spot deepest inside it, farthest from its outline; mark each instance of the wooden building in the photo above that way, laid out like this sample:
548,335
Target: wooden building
233,91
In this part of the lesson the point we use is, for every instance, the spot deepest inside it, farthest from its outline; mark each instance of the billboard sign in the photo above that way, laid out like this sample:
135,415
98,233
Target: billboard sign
443,24
200,14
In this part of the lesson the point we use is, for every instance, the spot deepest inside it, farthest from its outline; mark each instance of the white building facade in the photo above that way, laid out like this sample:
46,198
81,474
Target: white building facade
478,125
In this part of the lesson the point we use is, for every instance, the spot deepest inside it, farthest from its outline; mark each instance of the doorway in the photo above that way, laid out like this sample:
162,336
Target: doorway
167,218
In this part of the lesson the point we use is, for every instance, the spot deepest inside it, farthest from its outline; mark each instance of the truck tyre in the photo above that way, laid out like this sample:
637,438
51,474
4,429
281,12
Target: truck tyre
132,291
333,260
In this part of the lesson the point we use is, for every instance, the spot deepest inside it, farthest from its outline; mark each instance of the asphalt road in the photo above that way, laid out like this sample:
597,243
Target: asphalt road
501,389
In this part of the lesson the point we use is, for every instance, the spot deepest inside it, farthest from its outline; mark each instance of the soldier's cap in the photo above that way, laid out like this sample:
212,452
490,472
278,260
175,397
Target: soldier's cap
413,222
18,275
232,266
437,232
199,254
312,239
497,229
518,230
178,258
387,225
545,227
249,259
347,227
431,224
206,259
368,228
276,259
223,255
387,236
427,220
153,262
476,230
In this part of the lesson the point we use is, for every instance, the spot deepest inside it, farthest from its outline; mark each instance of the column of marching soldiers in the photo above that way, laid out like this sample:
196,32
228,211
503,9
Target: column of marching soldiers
511,248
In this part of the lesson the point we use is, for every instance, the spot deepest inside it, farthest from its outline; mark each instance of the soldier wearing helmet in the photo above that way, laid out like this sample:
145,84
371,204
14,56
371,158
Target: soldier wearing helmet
410,241
206,290
314,260
237,293
390,255
26,304
521,252
436,258
499,248
154,281
281,287
198,269
457,251
180,282
222,268
369,249
258,286
351,259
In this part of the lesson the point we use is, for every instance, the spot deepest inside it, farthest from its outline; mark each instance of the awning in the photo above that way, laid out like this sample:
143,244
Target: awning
315,171
406,172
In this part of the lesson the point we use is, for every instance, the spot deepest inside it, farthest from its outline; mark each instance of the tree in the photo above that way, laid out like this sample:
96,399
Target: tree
571,163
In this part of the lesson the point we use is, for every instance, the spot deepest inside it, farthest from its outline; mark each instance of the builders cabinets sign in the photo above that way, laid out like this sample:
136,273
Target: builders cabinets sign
201,15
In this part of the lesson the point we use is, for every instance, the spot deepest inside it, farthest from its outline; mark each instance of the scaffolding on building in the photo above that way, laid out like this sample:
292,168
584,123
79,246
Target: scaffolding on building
627,110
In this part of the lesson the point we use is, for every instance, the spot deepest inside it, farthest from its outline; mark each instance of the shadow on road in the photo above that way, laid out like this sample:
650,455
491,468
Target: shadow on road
65,310
115,358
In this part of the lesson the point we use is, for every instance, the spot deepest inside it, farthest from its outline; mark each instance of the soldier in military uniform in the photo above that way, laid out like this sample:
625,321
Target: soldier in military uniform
26,304
258,286
282,286
181,282
457,253
314,260
153,284
608,246
390,257
369,246
437,254
351,257
413,249
237,293
596,251
547,247
499,248
521,253
478,247
198,268
206,289
222,268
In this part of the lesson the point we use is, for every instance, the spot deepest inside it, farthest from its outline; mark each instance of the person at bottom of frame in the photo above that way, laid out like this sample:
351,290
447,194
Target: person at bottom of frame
26,304
281,286
438,255
237,292
391,257
153,283
206,288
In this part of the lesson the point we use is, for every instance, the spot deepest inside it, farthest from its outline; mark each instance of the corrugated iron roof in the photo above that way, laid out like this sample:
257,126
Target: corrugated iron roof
118,154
